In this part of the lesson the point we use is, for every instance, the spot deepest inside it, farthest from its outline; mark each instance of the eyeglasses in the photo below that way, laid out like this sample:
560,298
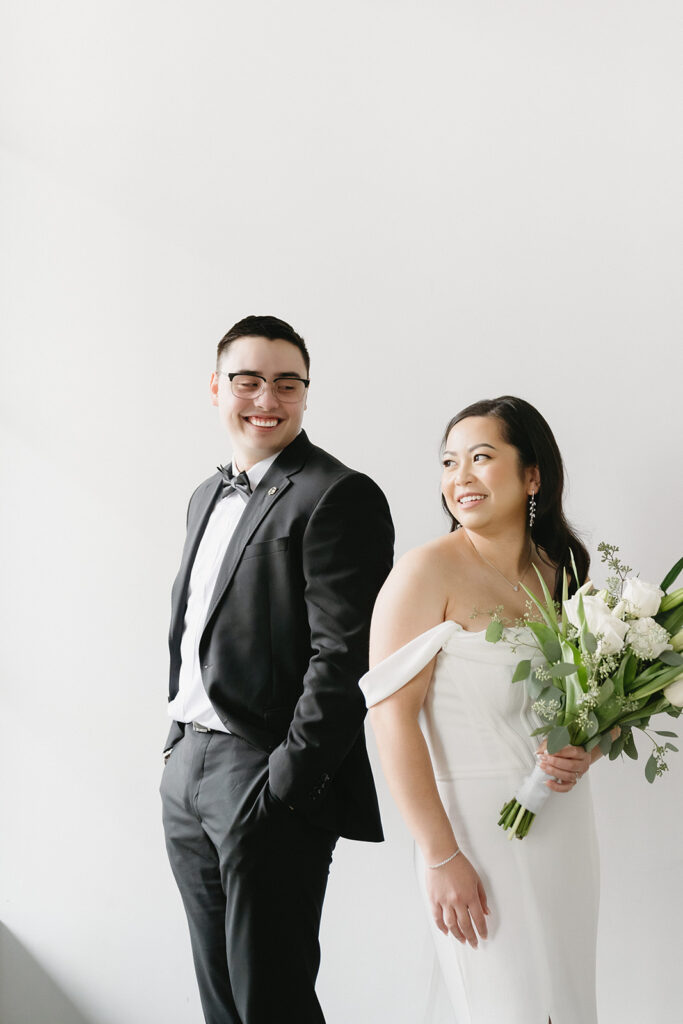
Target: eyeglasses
252,385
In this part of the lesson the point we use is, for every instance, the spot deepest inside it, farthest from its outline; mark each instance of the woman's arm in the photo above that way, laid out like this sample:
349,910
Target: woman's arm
409,604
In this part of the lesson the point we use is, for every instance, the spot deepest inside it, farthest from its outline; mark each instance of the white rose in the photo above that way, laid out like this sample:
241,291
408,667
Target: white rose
647,638
600,621
642,599
674,692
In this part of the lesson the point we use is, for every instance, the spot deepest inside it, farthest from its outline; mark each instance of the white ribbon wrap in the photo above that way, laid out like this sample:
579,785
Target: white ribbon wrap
533,792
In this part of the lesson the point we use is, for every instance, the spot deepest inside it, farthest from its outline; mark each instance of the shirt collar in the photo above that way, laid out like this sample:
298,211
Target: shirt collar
258,470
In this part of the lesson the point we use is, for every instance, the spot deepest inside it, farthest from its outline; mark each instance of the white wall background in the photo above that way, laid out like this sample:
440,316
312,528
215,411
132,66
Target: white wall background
450,201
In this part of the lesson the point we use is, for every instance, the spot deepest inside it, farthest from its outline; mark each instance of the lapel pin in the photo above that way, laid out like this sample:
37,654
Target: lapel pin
272,490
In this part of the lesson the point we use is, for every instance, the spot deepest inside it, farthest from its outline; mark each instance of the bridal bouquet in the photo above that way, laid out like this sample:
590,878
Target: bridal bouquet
610,658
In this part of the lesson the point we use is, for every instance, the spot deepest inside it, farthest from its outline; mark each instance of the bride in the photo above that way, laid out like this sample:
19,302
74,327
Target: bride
514,923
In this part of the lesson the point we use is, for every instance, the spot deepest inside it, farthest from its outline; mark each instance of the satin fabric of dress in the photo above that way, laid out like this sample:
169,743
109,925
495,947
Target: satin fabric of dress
539,959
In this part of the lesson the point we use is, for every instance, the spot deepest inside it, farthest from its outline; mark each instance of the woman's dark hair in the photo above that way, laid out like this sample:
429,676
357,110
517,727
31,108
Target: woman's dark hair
524,428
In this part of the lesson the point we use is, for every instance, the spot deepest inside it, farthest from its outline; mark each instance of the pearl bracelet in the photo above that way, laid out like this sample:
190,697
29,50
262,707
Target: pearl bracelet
442,862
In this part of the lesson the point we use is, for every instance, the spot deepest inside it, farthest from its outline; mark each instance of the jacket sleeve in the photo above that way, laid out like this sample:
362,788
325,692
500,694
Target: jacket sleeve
347,554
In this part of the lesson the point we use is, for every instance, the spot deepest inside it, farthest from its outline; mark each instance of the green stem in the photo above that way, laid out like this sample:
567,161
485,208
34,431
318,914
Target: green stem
516,824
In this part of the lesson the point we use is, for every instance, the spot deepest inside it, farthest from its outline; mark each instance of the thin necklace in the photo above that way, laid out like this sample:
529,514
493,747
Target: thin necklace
515,586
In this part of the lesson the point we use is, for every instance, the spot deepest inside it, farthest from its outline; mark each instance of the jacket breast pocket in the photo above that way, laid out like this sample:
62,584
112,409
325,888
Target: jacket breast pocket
266,547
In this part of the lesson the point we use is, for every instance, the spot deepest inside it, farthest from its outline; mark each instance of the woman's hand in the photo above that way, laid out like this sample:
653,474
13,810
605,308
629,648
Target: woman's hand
565,768
458,900
568,765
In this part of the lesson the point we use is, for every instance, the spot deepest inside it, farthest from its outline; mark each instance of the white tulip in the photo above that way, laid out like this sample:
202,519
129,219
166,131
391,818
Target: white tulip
600,621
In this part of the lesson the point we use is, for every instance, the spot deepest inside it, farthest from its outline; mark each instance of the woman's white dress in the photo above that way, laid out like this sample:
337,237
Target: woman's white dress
539,959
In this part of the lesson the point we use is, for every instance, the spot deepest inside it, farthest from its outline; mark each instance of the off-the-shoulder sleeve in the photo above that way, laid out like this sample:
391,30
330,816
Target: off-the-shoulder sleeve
404,664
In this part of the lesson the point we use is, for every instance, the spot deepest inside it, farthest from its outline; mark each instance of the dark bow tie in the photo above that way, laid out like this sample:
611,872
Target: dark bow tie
239,483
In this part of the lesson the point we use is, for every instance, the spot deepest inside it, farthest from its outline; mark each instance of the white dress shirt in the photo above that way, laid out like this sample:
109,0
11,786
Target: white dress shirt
191,703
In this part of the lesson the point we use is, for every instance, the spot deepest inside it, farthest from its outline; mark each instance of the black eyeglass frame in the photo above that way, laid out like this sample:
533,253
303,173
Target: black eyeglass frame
304,380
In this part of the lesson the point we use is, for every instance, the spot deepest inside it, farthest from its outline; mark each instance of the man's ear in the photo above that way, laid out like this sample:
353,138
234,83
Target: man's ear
213,388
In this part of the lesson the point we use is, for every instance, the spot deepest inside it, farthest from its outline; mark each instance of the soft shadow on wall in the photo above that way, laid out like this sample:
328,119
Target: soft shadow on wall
28,994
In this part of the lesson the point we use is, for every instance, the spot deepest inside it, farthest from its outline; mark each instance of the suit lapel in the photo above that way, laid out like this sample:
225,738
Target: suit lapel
269,491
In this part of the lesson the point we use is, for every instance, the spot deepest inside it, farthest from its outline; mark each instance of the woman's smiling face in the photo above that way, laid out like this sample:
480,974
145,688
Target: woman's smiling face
483,482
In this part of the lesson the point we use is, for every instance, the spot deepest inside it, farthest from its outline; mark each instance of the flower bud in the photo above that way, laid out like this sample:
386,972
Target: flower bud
674,692
671,600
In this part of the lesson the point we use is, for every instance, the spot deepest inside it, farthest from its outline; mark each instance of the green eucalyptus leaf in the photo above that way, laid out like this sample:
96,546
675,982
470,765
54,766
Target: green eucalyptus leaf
561,670
609,711
592,726
552,649
558,738
605,692
670,746
671,658
522,671
630,747
606,743
494,631
534,686
547,640
665,732
589,642
651,768
619,743
552,693
542,731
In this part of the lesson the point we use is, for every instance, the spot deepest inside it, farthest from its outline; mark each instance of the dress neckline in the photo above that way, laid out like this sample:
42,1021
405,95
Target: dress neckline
482,632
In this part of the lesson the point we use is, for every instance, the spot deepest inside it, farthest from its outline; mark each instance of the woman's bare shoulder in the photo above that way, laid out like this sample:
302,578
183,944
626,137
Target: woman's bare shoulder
431,562
415,597
416,590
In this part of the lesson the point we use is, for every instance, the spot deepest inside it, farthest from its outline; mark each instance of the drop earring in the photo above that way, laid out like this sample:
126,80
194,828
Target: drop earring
532,509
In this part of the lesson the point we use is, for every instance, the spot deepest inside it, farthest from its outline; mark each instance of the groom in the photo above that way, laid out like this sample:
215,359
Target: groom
266,763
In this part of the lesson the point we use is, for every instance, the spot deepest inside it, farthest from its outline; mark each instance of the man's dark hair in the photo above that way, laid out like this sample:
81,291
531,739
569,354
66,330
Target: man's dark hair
263,327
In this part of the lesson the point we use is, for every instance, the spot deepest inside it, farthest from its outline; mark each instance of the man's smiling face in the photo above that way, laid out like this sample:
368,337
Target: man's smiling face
263,425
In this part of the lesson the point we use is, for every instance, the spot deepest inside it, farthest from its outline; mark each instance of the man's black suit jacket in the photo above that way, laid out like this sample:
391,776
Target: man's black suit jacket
286,635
